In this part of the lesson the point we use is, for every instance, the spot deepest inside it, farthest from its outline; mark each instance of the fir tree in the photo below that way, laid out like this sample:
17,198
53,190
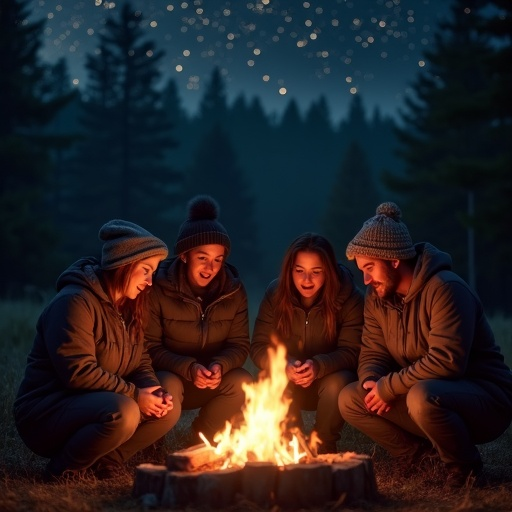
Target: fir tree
127,130
216,172
27,104
445,139
353,198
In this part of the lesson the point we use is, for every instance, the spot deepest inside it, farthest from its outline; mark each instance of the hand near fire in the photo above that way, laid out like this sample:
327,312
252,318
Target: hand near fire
154,401
302,374
373,401
203,377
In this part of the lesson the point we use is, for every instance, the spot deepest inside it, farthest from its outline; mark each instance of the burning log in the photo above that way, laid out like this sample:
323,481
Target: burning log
192,458
339,478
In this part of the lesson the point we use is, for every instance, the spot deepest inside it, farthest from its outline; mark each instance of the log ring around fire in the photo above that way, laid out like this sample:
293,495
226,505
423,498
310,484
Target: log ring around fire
340,478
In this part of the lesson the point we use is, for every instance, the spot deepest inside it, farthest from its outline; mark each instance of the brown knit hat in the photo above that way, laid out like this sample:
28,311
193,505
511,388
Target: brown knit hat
384,236
201,226
126,242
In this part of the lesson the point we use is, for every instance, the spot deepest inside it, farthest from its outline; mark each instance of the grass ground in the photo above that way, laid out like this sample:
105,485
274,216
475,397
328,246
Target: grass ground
22,490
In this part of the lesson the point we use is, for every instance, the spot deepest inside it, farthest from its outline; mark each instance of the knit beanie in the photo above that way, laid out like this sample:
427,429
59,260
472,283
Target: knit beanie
384,236
126,242
201,226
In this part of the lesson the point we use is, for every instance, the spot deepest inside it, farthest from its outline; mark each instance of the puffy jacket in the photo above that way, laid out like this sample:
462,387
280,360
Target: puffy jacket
81,344
308,339
439,331
181,332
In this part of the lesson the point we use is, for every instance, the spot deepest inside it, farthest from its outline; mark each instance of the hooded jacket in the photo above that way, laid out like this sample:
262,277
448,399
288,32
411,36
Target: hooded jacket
81,344
308,339
438,331
183,331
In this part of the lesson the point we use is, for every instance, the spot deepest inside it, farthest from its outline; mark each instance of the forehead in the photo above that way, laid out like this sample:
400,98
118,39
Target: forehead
308,259
365,261
151,262
213,250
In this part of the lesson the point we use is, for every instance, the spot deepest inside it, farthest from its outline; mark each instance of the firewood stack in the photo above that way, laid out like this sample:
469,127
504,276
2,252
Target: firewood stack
195,477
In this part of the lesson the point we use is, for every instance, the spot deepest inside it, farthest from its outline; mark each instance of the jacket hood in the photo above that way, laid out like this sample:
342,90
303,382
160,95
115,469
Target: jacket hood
84,273
430,262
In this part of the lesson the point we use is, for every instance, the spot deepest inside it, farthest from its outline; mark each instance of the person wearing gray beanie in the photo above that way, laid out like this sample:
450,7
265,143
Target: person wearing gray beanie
198,333
90,398
433,383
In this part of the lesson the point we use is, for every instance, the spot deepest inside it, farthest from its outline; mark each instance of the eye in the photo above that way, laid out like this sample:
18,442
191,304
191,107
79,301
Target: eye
298,271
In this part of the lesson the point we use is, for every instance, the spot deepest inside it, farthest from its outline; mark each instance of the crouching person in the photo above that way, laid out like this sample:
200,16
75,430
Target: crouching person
89,397
431,377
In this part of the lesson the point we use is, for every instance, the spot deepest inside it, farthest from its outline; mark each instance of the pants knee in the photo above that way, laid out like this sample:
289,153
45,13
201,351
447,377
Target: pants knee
349,397
172,384
125,418
332,384
418,400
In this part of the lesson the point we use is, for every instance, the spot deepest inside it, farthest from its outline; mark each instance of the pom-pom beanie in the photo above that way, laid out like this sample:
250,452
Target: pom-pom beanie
384,236
201,226
126,242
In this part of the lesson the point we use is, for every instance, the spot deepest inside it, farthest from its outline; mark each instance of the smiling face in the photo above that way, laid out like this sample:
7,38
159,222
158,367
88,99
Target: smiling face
380,274
204,263
308,276
141,276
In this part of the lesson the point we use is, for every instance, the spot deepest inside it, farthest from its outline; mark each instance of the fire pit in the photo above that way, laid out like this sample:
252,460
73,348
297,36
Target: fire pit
258,461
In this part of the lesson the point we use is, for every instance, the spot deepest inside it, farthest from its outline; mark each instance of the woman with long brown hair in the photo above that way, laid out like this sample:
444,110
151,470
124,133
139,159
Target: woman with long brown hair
90,399
316,311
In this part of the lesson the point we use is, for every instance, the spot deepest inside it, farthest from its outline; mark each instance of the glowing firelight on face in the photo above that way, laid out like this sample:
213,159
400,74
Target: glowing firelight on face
261,436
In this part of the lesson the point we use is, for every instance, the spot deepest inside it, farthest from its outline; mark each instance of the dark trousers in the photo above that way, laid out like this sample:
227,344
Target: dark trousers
322,396
86,427
216,406
454,415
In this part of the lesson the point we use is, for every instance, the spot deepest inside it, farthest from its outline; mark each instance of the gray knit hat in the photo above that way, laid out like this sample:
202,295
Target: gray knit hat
126,242
384,236
201,226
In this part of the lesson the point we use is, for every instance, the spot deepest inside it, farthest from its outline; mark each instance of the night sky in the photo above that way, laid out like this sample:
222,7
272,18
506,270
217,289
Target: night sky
274,49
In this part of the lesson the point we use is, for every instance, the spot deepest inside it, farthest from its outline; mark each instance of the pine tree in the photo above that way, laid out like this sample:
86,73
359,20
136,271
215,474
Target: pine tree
27,104
352,200
445,140
127,130
216,172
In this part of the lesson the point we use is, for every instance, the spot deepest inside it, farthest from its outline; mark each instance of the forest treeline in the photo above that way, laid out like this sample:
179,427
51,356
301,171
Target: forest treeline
124,146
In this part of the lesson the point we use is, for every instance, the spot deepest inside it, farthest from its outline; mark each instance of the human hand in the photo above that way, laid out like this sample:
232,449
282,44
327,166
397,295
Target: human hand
302,374
203,377
154,401
216,375
373,401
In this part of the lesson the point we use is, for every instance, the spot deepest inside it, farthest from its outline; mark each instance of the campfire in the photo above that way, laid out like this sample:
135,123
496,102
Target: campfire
259,459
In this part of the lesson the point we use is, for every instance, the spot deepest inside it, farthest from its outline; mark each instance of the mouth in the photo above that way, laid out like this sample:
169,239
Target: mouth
205,276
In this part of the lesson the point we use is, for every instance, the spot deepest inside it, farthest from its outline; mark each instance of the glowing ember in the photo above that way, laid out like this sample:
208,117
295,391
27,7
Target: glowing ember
261,435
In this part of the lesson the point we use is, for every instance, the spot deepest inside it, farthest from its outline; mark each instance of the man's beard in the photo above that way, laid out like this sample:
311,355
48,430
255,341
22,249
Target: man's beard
386,288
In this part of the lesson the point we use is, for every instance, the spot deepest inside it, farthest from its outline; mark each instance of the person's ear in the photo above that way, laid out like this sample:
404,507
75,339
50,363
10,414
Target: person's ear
395,263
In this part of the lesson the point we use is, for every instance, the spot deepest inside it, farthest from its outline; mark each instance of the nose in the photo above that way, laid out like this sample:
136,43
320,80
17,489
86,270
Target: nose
367,278
209,265
307,277
149,279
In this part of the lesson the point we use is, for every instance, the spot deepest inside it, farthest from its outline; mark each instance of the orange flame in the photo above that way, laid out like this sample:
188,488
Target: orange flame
261,436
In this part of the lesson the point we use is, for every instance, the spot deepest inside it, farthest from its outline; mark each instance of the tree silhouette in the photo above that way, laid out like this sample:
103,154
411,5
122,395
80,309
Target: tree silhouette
27,104
353,199
215,171
213,106
445,139
127,130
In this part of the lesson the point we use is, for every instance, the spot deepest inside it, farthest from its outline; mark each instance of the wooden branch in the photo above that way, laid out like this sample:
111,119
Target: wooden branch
192,458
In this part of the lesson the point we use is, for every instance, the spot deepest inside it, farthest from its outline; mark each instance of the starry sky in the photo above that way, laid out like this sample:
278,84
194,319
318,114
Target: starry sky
274,49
